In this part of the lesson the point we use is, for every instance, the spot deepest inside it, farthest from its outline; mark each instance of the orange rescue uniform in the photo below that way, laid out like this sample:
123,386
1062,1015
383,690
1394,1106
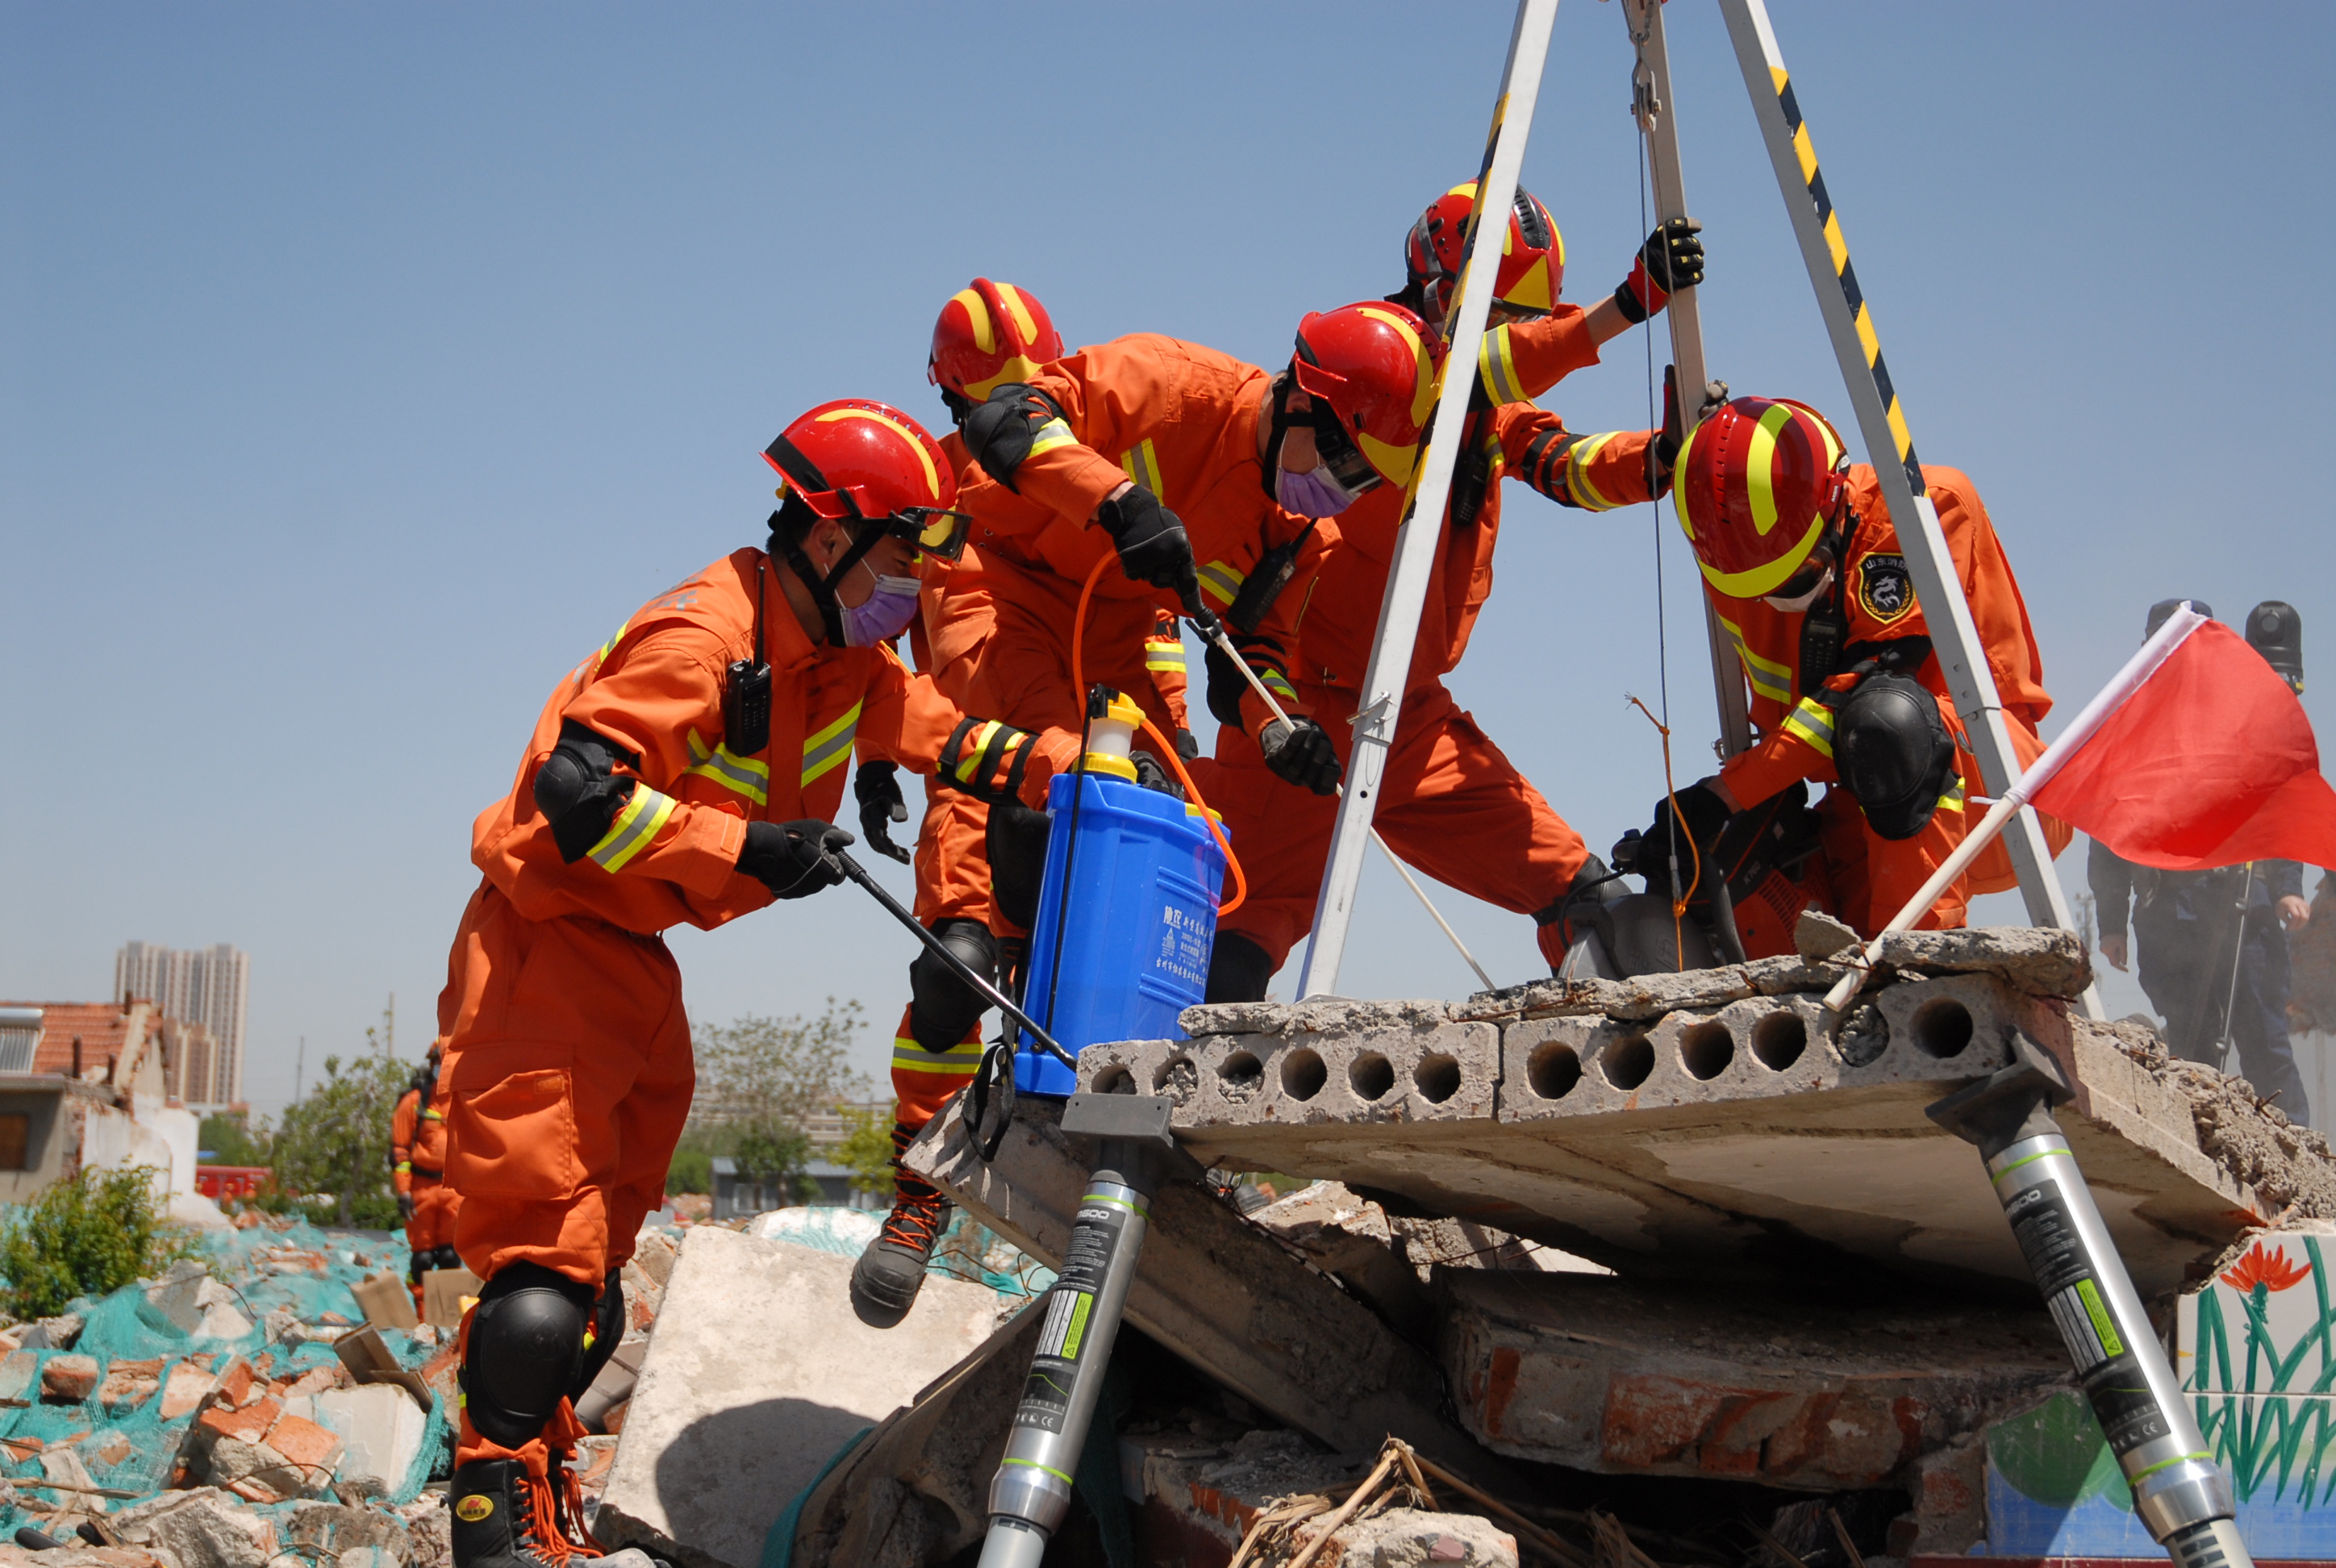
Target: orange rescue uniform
1181,420
417,1138
1872,877
1451,803
567,1068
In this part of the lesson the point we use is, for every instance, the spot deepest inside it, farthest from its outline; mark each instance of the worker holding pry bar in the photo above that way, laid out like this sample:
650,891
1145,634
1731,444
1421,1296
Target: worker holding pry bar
1451,803
686,772
1133,472
1803,568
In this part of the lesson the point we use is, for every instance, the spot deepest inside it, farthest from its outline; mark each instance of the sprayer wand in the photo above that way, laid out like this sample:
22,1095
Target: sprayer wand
1213,630
949,961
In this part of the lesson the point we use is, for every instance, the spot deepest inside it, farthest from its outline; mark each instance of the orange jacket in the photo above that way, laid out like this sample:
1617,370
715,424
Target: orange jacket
656,689
400,1141
1334,597
1878,597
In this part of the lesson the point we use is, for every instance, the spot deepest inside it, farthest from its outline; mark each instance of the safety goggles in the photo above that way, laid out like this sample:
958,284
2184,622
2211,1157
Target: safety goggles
1339,455
935,530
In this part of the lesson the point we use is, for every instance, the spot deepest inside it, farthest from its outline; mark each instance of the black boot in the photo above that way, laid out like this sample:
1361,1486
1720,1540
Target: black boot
885,1281
505,1518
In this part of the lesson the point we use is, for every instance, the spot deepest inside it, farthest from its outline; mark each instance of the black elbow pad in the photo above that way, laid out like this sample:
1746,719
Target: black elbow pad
999,432
578,790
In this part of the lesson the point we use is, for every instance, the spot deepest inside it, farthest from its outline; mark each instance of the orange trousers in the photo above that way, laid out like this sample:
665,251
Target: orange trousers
1451,804
570,1075
434,1206
1873,877
1017,669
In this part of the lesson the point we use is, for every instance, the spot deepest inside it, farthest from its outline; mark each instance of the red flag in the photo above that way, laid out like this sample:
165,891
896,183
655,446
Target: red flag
2209,762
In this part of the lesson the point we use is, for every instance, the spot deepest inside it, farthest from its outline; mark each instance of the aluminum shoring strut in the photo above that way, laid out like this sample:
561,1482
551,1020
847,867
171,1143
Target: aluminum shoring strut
1423,526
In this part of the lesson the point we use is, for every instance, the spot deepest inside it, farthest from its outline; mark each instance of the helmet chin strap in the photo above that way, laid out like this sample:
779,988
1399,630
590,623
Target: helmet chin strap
1280,427
823,588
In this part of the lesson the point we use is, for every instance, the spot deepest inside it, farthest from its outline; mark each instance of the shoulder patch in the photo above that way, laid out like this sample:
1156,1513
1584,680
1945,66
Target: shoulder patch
1885,588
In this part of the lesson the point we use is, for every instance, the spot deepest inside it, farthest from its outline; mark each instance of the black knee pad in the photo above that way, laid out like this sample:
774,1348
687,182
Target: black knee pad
445,1258
1016,840
1239,969
941,1006
1893,753
607,1333
526,1347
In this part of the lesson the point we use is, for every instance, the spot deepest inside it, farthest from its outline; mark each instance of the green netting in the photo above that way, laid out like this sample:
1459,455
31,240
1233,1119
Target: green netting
125,1326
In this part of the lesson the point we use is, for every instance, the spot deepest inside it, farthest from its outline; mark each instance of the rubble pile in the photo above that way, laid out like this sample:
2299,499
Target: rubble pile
234,1412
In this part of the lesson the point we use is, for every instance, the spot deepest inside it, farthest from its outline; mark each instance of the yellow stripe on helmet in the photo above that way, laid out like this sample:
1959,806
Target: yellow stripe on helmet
1423,390
1019,310
1759,467
1762,580
1679,486
977,311
932,476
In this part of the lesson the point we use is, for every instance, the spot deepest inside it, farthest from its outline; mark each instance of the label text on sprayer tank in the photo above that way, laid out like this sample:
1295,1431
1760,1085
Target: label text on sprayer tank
1063,1335
1186,938
2110,1372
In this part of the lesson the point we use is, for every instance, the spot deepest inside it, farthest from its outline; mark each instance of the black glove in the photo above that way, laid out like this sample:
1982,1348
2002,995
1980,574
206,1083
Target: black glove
1187,746
1699,819
1153,775
1151,544
405,1208
1662,453
877,787
1299,752
1671,260
792,858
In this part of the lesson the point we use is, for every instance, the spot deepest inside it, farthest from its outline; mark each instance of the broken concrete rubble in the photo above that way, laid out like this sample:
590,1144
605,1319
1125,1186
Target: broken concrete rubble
1218,1292
1711,1123
757,1375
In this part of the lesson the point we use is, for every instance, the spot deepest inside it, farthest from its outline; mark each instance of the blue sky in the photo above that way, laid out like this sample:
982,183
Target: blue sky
362,366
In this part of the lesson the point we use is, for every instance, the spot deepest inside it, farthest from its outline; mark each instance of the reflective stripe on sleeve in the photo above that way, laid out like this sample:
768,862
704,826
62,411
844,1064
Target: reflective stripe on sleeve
968,757
1577,471
1768,678
1812,722
829,747
1164,655
1050,436
434,1116
960,1061
1500,371
1220,582
635,827
1952,801
1142,462
1277,684
739,774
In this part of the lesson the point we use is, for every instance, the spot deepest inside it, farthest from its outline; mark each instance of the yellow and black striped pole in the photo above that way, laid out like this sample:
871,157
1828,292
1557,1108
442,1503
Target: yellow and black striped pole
2179,1492
1882,419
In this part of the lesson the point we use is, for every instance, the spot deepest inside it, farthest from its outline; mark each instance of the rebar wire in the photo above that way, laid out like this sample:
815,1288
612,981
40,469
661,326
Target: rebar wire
1678,900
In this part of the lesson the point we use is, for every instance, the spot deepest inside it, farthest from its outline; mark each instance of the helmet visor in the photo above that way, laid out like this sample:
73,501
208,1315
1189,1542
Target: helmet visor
933,530
1338,452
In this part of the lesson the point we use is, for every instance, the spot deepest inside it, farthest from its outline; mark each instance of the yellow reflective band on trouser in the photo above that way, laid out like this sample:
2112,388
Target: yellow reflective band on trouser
1577,472
1051,434
1159,655
434,1116
1768,678
1500,372
635,827
402,1168
960,1061
740,774
1142,462
1221,581
829,747
1813,723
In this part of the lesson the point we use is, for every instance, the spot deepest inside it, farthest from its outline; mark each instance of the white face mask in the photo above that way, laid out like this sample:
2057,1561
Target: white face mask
1800,602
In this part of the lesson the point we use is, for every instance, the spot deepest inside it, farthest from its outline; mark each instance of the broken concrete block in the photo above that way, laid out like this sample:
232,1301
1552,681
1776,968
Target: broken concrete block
57,1333
205,1528
68,1379
613,1385
381,1428
1723,1138
249,1423
130,1384
221,1321
1218,1292
333,1529
64,1466
112,1449
257,1473
1414,1538
1349,1238
17,1373
1608,1375
311,1450
171,1297
655,1251
1412,1067
757,1374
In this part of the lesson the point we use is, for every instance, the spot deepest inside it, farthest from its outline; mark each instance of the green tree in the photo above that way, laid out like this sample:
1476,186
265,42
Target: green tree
866,1148
777,1071
95,1233
776,1156
337,1140
229,1139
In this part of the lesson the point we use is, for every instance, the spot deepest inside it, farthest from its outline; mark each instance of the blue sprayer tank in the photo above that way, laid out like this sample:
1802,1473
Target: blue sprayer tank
1144,873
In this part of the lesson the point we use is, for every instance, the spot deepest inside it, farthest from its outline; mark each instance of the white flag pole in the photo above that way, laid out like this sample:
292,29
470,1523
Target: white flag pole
2041,772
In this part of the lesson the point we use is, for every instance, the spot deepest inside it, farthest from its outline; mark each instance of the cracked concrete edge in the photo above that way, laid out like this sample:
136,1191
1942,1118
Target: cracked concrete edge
1221,1293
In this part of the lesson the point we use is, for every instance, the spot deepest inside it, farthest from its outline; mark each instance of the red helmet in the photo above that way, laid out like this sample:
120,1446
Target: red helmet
987,334
1533,254
1755,486
853,459
1374,364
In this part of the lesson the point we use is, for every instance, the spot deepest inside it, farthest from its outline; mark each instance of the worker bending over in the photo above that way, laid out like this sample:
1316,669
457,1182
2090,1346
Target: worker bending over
684,772
1451,801
1807,577
417,1158
1172,461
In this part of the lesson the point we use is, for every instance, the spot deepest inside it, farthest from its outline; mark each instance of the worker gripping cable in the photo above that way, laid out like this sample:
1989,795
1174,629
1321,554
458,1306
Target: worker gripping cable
1451,804
1153,467
684,772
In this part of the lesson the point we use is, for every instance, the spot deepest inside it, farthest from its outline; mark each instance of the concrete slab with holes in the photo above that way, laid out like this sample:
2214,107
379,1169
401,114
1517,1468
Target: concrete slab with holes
1710,1125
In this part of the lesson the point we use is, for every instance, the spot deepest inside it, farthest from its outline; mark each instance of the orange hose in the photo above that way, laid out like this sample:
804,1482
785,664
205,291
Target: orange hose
1167,748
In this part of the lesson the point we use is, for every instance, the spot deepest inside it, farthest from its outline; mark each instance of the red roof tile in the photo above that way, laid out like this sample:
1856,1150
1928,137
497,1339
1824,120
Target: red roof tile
104,1028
